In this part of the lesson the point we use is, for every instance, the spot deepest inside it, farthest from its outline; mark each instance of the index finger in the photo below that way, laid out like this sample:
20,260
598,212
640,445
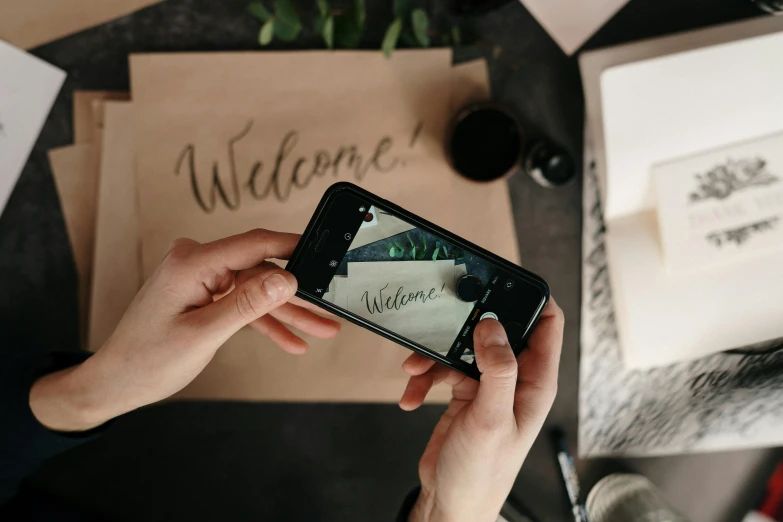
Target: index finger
247,250
539,363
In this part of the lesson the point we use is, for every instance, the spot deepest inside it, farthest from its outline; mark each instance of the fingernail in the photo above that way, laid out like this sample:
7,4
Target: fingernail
494,334
276,287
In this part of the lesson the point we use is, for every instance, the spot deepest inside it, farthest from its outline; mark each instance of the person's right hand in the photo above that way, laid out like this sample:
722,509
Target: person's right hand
199,296
480,443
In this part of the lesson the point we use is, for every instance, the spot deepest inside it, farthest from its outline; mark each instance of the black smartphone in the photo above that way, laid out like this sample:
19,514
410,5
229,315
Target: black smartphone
406,279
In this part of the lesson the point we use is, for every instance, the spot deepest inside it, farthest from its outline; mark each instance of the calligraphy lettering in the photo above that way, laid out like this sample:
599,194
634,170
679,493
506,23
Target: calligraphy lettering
292,169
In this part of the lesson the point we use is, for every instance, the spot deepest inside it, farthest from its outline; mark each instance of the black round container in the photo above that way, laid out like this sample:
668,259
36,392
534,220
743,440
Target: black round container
485,143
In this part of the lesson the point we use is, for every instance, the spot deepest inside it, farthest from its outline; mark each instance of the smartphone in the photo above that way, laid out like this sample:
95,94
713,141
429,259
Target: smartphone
410,281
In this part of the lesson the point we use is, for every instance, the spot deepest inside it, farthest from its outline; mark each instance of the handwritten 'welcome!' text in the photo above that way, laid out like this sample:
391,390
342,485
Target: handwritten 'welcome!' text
400,299
289,170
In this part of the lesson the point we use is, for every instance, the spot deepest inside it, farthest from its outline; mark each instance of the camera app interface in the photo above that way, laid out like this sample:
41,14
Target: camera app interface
413,282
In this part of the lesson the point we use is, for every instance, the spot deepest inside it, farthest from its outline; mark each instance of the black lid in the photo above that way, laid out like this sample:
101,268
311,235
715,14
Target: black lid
486,143
549,165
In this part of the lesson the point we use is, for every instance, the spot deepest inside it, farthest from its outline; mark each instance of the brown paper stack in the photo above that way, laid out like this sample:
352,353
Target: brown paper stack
76,175
30,23
224,142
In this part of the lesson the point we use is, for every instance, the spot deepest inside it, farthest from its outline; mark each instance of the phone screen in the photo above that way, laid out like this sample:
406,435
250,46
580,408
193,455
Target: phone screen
411,281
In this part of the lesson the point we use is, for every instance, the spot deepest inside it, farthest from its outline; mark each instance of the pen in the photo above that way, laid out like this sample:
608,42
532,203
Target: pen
568,471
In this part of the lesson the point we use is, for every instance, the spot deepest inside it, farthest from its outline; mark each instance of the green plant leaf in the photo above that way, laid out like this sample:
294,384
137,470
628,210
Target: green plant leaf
398,244
287,23
392,35
392,252
399,254
435,254
287,31
445,250
407,39
420,255
267,31
347,33
400,8
410,240
421,27
323,7
258,10
328,32
456,35
413,253
360,12
318,25
285,10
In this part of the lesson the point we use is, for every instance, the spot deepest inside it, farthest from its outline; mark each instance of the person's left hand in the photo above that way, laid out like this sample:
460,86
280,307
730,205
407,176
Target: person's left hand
198,297
481,441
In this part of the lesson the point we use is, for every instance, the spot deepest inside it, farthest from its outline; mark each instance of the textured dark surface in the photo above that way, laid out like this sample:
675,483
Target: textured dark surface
236,461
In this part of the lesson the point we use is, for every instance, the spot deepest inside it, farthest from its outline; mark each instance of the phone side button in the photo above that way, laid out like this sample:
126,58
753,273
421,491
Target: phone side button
515,333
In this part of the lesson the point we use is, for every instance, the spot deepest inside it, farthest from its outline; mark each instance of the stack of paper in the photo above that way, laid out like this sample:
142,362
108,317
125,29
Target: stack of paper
213,144
30,23
678,110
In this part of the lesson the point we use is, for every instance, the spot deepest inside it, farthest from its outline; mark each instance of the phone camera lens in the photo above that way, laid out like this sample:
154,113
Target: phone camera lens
469,288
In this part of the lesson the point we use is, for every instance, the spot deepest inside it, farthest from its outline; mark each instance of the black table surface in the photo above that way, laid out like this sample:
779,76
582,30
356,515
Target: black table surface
241,461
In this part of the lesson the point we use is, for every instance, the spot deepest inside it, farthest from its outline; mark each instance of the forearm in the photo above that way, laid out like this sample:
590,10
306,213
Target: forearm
63,401
25,440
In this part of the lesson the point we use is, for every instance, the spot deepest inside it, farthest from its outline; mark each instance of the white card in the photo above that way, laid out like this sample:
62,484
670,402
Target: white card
721,206
571,22
28,88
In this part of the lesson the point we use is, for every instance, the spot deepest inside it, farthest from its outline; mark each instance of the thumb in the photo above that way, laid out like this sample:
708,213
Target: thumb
495,359
251,299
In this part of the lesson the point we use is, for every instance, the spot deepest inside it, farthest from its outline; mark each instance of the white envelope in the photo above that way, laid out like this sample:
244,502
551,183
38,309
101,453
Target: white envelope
571,22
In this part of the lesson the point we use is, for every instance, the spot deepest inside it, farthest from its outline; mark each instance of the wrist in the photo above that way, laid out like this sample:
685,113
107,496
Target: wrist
422,509
426,509
64,401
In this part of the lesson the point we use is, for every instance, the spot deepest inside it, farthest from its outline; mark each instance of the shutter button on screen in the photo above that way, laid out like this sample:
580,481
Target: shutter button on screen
515,333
